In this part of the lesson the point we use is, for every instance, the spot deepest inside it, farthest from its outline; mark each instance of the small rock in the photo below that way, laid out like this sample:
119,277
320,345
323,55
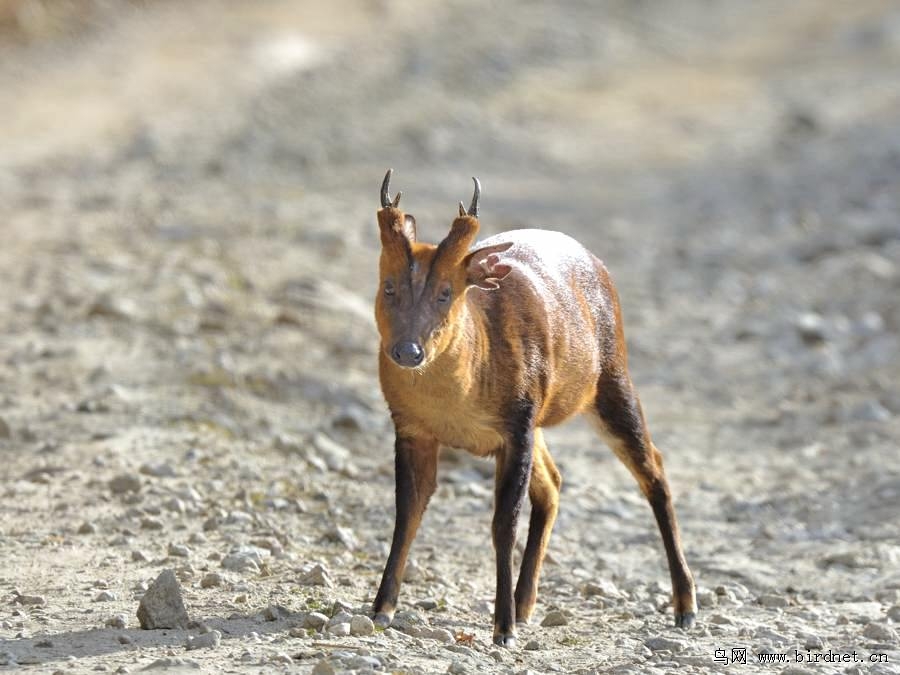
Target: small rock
887,596
124,639
813,642
413,572
139,556
603,588
41,475
175,505
772,600
5,432
29,600
44,644
344,536
457,667
117,621
186,573
771,636
880,632
427,604
126,482
532,645
324,667
340,606
87,528
339,629
641,651
317,576
340,617
315,620
364,663
336,456
894,613
179,551
7,659
270,544
161,470
441,635
408,620
174,663
288,444
208,640
849,559
275,612
734,589
162,605
811,327
152,524
870,411
245,559
707,598
555,618
353,418
211,580
860,612
281,659
105,596
361,625
662,642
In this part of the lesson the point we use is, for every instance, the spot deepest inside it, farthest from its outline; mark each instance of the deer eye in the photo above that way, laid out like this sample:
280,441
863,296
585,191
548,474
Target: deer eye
388,288
444,295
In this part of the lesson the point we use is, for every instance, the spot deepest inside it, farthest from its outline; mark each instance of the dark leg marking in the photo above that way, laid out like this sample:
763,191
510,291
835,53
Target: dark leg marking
415,472
514,462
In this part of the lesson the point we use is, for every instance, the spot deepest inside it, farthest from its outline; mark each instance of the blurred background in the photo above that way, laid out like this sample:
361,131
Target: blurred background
189,257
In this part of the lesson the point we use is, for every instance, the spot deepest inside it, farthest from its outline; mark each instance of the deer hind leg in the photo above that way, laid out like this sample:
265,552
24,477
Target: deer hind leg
621,423
543,490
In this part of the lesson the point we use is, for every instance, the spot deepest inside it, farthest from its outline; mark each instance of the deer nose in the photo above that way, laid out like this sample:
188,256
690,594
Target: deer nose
408,354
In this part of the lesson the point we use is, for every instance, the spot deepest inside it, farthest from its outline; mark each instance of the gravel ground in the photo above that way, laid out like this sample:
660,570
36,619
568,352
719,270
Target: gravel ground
187,349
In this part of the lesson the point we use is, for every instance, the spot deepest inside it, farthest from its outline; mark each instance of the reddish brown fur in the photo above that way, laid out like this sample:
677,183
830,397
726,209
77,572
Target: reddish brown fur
499,365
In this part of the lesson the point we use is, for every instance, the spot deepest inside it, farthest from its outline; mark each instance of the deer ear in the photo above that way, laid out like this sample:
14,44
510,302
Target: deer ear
409,227
484,269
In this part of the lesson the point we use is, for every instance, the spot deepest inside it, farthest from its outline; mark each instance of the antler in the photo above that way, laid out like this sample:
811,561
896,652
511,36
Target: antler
473,207
385,195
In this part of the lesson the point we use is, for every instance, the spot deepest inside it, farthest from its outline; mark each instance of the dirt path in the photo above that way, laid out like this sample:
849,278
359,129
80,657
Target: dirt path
187,372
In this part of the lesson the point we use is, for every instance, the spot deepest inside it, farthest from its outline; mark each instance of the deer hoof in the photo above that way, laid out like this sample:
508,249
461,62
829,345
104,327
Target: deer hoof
685,620
508,641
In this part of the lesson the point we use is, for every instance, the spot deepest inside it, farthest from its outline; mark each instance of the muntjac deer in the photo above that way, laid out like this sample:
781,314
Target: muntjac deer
482,347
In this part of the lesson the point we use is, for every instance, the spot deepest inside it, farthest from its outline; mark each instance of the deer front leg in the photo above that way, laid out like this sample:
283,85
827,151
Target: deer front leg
514,462
415,473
